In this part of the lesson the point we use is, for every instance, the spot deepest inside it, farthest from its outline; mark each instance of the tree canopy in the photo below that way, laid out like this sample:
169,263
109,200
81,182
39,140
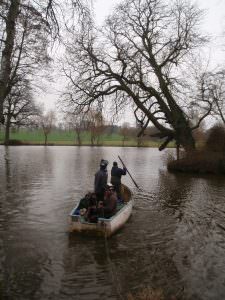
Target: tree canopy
27,30
138,58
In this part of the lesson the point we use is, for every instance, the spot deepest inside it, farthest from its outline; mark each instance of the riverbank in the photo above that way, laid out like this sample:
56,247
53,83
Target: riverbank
68,143
199,162
68,138
207,159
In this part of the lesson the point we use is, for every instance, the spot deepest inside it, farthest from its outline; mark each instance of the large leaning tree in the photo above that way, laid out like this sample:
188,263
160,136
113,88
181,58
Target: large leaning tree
46,17
139,58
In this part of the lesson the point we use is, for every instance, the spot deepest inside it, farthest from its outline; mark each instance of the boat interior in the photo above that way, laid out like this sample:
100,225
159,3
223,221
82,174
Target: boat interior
126,196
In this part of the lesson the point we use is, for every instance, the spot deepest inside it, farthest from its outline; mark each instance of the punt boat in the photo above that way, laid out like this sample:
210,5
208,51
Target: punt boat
104,227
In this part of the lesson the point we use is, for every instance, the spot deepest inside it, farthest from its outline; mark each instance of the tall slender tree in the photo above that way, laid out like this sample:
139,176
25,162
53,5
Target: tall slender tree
19,108
7,44
47,122
42,19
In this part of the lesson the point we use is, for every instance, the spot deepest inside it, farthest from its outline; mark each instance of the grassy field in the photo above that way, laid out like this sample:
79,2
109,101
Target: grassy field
57,137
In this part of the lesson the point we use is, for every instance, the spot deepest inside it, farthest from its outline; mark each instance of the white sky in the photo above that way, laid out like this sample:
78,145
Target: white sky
213,24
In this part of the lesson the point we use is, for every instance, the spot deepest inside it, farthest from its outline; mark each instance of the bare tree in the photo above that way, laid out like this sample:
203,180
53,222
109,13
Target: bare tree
44,18
95,126
24,46
125,131
216,86
47,122
19,108
137,59
10,18
76,123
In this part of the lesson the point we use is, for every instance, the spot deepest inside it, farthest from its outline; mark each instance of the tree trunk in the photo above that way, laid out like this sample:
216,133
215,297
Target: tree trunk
46,139
175,115
7,129
79,138
184,137
139,141
92,140
98,140
178,151
7,52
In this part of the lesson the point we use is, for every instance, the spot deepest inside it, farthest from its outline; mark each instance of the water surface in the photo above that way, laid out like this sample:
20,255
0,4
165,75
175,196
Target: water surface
174,241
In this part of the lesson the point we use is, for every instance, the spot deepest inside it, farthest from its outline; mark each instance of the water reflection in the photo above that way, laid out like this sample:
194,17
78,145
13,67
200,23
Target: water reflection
7,167
174,241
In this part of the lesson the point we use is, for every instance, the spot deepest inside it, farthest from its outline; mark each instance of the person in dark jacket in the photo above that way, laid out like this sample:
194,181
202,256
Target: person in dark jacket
108,207
116,174
101,178
92,213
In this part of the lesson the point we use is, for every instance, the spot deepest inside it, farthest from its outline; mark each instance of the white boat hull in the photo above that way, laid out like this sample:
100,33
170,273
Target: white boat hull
104,227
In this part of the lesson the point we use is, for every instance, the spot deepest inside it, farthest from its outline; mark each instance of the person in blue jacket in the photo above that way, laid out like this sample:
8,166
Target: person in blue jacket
101,178
116,174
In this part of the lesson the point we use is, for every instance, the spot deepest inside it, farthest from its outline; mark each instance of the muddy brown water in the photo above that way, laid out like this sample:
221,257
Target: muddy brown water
174,241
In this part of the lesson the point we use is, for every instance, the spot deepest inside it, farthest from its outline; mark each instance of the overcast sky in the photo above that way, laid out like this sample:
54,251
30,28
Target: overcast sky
215,12
213,24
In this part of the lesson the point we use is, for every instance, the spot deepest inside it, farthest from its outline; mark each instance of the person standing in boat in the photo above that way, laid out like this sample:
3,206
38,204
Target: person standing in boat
101,178
116,174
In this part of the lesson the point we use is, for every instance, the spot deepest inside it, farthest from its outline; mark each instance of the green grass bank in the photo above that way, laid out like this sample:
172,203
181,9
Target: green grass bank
60,137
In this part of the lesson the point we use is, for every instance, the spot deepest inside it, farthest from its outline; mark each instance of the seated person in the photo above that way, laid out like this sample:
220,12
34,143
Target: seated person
83,204
92,213
108,208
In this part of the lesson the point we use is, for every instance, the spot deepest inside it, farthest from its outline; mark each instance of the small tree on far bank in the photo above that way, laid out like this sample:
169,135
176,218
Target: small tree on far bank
125,132
47,122
95,126
139,137
77,124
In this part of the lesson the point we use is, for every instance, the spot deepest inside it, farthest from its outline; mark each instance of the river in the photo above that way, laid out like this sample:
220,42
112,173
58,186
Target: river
174,242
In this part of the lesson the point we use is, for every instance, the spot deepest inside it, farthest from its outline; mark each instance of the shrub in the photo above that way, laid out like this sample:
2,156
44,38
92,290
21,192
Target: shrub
15,142
200,162
216,139
209,159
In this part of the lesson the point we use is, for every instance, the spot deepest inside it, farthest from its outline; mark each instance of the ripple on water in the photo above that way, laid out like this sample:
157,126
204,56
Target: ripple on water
174,240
